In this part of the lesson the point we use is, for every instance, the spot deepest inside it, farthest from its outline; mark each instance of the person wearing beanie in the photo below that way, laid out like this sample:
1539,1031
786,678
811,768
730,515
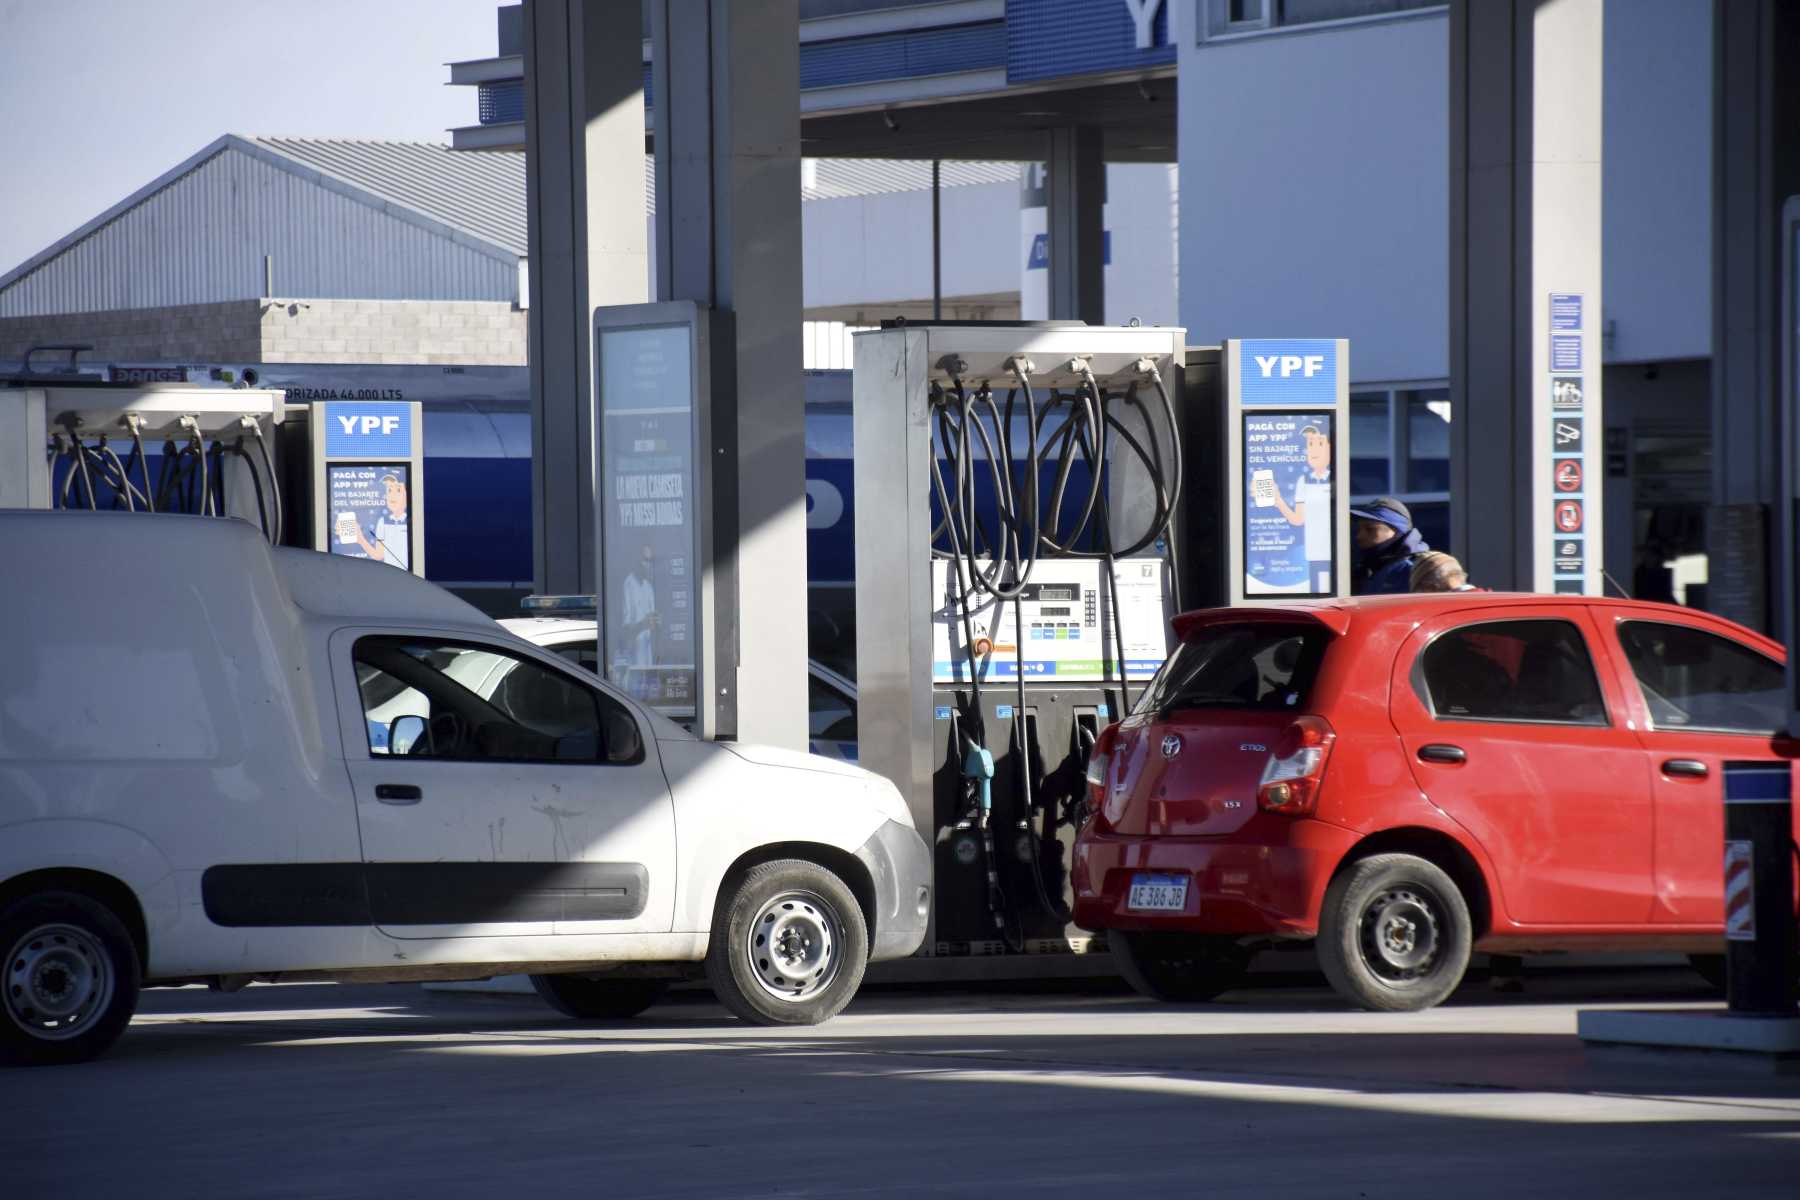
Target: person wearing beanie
1387,547
1435,571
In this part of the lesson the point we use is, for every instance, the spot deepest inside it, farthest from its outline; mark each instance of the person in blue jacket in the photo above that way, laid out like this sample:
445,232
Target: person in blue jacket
1387,547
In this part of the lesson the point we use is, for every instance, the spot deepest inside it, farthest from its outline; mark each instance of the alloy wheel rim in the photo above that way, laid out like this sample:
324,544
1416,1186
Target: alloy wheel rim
58,980
792,946
1401,935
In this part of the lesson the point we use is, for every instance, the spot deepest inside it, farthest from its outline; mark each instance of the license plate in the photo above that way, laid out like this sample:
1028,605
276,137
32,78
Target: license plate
1158,893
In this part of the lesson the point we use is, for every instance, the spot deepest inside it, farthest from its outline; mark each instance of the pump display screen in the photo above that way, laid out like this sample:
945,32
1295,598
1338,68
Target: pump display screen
369,506
647,473
1289,482
1069,638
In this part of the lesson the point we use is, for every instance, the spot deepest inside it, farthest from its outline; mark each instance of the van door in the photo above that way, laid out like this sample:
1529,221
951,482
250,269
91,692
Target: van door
1706,698
498,793
1511,730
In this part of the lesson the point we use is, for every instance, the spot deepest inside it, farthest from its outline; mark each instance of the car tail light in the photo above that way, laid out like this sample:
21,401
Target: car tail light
1099,766
1296,768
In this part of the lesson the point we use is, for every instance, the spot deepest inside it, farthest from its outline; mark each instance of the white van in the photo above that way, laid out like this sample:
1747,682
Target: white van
191,791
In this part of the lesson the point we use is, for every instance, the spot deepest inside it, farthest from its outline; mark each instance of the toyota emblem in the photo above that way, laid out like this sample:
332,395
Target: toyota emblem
1171,745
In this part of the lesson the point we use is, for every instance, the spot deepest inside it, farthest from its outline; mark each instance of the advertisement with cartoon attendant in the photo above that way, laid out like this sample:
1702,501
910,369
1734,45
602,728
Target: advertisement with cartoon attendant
1288,509
370,513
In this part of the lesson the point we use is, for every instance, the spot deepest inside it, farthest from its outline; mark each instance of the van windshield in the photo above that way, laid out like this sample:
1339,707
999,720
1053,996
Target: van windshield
1268,667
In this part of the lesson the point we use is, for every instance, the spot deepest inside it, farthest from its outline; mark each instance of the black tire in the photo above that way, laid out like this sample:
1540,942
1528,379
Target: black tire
1178,968
810,916
1394,934
597,997
69,982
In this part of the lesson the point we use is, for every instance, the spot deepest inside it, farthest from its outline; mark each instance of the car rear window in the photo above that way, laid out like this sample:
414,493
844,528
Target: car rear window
1254,666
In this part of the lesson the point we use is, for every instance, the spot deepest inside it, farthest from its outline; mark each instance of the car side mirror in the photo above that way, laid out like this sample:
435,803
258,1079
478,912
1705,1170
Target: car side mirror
623,742
407,732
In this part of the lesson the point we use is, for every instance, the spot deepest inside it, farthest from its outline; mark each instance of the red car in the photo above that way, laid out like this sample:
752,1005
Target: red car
1406,779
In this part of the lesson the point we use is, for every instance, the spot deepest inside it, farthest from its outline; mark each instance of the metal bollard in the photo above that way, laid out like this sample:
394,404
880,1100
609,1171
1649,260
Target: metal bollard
1759,888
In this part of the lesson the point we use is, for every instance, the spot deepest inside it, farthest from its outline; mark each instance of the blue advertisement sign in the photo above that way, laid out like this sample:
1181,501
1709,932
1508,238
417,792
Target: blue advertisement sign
1290,526
368,429
1288,371
369,506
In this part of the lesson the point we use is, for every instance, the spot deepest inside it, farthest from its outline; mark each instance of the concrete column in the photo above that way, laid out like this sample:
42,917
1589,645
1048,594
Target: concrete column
1756,166
584,142
1077,186
727,87
1525,227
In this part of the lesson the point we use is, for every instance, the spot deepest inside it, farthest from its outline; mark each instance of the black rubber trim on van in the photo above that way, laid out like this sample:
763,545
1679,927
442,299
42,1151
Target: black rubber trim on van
339,894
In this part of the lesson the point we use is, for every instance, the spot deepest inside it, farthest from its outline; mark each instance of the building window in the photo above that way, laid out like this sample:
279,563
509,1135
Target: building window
1400,447
1427,440
1220,19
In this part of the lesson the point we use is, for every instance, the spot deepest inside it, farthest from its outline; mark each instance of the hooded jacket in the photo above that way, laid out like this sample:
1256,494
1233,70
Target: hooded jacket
1387,569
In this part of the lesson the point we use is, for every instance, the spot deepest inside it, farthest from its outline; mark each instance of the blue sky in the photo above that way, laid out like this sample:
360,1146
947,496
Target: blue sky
99,97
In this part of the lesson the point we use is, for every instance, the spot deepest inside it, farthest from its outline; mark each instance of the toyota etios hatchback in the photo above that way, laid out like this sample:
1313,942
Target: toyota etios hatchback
1409,778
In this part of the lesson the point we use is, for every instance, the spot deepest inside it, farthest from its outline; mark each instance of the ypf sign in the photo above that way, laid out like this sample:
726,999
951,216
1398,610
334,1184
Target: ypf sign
1288,371
368,429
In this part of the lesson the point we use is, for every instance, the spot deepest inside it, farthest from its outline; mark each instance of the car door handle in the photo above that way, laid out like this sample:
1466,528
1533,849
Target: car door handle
398,793
1442,752
1691,768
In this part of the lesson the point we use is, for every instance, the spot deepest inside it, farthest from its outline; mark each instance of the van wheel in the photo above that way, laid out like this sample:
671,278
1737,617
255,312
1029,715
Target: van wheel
69,981
1178,967
789,945
597,998
1394,934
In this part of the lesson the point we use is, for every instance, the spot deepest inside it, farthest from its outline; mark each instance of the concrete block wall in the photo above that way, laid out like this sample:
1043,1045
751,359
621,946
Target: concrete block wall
435,332
218,332
402,332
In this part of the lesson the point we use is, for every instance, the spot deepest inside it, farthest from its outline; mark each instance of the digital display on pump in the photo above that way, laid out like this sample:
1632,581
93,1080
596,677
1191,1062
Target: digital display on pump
647,470
369,506
1289,481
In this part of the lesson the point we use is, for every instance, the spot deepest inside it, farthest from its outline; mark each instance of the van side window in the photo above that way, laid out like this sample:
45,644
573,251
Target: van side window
476,703
1535,671
1692,679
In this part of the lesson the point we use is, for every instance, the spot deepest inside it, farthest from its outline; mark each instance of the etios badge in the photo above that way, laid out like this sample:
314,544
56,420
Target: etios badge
1171,745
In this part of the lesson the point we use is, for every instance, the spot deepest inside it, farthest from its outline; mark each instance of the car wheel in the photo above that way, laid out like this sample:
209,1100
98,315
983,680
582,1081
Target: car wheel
598,998
1177,967
1394,934
70,980
1712,968
789,945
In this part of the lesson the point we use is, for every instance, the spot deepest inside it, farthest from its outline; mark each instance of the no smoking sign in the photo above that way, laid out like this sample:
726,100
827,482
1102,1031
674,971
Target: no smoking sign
1568,475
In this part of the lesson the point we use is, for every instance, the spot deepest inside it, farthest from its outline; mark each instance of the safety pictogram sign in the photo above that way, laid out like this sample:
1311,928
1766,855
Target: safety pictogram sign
1568,516
1568,475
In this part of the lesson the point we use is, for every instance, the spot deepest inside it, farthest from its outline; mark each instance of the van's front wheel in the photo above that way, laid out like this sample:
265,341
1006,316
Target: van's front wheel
1394,934
69,981
789,945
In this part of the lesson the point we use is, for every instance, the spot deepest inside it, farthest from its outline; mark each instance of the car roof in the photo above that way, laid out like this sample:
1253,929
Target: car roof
1340,614
540,630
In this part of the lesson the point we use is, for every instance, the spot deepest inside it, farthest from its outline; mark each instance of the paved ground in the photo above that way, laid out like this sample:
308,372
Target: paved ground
317,1091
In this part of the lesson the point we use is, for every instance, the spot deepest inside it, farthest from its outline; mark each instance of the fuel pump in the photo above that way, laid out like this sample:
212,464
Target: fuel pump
1014,582
197,450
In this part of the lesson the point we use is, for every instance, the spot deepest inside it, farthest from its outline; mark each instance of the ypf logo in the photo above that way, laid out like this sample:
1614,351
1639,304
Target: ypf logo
365,429
369,423
1286,366
1288,371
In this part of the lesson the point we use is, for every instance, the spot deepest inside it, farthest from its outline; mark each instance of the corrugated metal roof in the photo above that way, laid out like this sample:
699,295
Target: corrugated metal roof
481,192
840,178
